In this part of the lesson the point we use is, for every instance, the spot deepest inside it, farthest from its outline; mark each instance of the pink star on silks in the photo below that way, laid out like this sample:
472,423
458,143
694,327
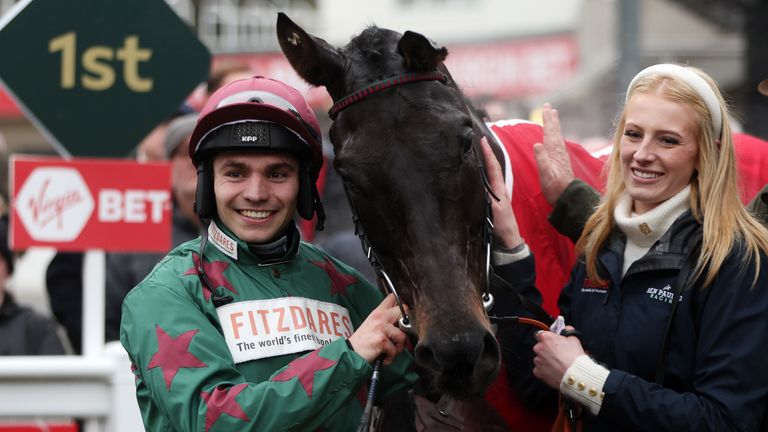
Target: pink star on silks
362,395
339,281
215,273
173,354
222,401
304,368
134,371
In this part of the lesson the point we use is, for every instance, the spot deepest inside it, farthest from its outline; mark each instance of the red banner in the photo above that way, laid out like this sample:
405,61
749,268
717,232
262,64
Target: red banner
506,69
81,204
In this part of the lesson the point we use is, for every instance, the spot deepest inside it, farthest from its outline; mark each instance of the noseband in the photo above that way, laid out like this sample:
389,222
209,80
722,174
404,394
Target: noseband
373,88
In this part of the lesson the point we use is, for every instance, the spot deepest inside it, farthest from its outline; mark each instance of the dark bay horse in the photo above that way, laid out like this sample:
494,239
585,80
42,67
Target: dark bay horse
406,146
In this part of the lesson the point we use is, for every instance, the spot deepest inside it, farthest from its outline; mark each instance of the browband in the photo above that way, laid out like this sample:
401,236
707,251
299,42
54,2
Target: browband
378,86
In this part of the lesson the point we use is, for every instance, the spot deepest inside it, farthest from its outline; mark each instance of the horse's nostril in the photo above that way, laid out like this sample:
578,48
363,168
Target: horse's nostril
491,352
426,357
456,353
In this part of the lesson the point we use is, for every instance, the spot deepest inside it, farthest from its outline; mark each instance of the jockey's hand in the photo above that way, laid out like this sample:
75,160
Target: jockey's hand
505,229
379,335
555,171
554,355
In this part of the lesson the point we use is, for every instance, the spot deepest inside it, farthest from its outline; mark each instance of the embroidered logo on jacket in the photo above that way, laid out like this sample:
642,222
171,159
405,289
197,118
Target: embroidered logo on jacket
597,287
661,294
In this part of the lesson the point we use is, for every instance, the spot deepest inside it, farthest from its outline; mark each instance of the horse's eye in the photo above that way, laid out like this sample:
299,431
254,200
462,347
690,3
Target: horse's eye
467,138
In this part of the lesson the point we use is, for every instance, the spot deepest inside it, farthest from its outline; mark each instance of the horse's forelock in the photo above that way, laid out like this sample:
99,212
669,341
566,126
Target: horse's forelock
373,42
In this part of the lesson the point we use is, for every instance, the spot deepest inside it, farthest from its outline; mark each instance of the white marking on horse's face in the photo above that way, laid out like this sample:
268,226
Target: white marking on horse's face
294,39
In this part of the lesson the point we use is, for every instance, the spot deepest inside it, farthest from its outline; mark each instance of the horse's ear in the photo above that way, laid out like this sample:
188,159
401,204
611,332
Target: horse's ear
314,59
420,53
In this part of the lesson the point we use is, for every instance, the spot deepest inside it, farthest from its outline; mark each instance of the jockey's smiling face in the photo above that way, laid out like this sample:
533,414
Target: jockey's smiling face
659,149
256,193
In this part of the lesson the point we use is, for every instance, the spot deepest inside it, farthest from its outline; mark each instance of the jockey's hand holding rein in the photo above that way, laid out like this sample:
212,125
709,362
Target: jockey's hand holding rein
379,335
555,171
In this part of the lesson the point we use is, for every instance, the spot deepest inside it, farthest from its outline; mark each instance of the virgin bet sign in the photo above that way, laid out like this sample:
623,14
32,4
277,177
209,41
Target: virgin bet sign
83,204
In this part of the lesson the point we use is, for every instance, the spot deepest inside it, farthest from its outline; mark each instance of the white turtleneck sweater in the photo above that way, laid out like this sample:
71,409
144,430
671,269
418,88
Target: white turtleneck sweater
584,379
643,230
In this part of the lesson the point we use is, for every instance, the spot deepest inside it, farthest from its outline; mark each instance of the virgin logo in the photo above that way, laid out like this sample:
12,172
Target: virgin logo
54,204
46,208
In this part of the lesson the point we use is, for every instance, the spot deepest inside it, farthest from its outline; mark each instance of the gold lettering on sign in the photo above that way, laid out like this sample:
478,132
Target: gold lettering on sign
96,63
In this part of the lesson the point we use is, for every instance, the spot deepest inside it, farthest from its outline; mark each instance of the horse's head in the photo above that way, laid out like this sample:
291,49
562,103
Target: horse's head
409,157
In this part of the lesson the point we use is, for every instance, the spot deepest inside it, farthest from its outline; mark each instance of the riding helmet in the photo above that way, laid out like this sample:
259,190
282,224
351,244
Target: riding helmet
257,114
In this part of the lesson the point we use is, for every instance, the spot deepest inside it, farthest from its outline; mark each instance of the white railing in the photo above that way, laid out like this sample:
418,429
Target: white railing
99,390
97,387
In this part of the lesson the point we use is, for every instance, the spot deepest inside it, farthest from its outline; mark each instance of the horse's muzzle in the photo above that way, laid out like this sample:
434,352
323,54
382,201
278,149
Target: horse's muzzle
465,363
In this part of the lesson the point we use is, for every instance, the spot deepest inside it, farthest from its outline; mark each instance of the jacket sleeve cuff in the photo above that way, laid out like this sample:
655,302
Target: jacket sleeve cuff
572,209
583,382
501,256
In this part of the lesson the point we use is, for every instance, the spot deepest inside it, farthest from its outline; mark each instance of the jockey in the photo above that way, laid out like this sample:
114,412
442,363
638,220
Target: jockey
247,320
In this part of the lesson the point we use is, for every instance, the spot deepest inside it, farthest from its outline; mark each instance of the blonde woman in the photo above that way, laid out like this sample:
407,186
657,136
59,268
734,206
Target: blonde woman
671,292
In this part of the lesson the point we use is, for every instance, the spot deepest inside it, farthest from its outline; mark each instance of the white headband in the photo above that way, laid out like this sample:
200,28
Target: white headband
691,78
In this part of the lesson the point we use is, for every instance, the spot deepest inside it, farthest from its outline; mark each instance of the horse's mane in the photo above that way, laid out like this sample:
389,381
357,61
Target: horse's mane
479,117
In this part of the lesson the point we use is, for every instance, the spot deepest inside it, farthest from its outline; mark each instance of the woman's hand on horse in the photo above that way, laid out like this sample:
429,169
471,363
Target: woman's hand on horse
554,355
555,171
378,335
505,229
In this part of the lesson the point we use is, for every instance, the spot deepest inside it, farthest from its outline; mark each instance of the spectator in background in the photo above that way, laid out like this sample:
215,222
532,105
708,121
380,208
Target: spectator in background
22,330
124,270
224,73
183,172
152,147
759,205
64,282
763,87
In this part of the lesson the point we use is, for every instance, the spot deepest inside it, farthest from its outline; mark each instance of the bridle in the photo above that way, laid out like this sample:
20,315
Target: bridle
384,84
542,321
405,323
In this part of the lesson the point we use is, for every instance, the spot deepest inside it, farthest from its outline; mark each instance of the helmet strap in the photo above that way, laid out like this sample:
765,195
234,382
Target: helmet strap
205,199
319,210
